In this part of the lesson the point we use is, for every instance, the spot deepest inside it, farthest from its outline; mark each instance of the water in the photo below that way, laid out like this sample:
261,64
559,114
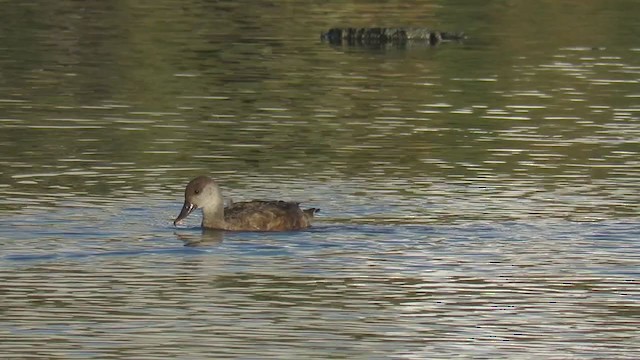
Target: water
478,199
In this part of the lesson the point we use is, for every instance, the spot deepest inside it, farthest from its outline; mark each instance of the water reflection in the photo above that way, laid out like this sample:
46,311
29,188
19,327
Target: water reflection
478,199
203,237
535,133
513,287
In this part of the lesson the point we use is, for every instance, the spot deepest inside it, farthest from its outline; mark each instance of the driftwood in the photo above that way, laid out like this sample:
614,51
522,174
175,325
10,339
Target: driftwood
381,36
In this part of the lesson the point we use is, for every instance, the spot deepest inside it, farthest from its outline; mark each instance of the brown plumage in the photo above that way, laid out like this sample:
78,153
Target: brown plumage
203,192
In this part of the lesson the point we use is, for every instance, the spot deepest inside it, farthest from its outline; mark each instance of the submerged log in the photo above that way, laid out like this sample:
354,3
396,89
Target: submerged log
380,35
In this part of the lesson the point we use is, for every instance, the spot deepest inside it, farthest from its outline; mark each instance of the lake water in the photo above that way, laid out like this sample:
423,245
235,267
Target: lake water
478,199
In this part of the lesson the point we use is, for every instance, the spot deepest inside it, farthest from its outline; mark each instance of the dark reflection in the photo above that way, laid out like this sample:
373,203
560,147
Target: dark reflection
206,237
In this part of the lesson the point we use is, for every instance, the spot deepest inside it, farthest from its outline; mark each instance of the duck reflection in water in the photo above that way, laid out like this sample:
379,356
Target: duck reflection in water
206,237
257,215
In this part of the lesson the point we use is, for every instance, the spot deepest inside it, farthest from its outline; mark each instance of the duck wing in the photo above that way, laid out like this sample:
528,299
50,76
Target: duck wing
261,215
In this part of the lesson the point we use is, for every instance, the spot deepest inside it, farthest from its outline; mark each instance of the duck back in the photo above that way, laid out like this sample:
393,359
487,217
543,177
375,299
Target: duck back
261,215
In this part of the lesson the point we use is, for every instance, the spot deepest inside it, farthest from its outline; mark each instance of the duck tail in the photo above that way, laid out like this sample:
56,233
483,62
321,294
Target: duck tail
308,213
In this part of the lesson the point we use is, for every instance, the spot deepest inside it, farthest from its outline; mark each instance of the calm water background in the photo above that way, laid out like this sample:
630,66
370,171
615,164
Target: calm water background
478,199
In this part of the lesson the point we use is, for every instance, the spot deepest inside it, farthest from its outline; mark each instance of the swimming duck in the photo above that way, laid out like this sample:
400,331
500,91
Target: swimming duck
257,215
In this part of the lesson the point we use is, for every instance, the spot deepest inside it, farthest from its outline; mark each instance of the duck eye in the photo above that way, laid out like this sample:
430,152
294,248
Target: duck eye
196,191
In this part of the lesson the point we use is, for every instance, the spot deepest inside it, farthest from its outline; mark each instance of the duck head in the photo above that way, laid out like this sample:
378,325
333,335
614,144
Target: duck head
201,192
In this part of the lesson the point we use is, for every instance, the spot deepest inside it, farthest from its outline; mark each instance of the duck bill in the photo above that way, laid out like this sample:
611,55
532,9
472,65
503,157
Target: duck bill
187,209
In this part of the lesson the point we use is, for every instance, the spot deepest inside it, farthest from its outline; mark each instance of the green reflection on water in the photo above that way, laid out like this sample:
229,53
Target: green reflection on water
105,100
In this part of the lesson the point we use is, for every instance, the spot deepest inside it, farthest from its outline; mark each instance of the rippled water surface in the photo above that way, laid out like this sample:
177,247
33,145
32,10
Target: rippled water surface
478,199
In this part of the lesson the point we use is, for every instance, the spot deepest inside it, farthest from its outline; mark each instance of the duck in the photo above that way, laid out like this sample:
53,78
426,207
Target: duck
258,215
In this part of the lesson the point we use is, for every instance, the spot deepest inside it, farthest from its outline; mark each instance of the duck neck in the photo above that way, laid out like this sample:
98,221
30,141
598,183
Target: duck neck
213,215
